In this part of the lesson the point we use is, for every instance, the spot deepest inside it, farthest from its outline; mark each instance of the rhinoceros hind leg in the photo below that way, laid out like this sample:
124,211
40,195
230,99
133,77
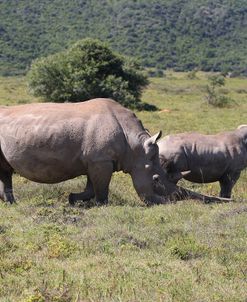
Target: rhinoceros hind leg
6,189
84,196
227,182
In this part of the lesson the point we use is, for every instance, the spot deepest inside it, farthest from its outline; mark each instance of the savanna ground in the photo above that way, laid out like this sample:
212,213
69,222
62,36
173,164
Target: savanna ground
125,251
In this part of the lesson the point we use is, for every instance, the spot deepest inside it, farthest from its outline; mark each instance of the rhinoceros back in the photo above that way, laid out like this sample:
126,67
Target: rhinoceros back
54,142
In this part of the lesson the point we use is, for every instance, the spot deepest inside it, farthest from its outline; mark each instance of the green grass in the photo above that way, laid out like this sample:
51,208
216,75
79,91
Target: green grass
14,91
183,106
189,251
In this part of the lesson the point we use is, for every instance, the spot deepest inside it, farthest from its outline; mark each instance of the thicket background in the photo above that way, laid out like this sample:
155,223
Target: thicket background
204,34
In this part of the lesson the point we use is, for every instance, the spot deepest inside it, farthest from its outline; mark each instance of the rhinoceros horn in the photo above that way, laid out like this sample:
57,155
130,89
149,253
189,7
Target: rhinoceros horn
182,193
172,193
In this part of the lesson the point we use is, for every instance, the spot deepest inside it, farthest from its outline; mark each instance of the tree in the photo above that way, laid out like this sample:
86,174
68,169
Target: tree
88,69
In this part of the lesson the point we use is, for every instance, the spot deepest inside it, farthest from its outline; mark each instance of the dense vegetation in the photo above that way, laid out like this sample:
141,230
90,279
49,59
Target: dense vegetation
88,69
184,252
180,34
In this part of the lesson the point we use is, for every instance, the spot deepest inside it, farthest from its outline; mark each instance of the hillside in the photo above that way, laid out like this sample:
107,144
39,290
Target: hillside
179,34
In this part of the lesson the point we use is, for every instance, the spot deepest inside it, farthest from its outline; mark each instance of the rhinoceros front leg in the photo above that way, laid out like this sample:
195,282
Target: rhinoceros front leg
99,176
6,189
227,182
84,196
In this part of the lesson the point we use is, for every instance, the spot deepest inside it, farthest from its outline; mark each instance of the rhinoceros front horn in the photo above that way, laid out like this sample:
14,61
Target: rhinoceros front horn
172,193
181,194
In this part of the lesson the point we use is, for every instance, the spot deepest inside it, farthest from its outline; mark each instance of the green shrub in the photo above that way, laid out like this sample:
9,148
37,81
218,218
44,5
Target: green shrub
88,69
214,96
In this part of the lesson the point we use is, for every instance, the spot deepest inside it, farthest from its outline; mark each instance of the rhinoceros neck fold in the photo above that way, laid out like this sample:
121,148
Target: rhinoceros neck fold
135,136
134,133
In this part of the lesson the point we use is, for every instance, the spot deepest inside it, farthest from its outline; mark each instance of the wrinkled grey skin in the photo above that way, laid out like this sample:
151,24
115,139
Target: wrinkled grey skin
208,158
50,143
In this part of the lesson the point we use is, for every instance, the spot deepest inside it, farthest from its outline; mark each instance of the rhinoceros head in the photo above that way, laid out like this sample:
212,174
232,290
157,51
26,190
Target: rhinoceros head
146,170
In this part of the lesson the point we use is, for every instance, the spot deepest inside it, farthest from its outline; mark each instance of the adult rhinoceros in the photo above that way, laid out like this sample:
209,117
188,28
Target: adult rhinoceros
50,143
209,158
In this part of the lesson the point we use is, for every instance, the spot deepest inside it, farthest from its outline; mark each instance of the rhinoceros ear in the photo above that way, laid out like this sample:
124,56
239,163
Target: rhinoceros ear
153,139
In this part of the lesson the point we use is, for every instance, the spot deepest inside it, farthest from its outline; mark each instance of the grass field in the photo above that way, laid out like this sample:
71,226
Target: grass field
184,252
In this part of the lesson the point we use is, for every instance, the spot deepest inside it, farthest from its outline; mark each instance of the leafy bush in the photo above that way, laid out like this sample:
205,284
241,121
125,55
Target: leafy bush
88,69
214,97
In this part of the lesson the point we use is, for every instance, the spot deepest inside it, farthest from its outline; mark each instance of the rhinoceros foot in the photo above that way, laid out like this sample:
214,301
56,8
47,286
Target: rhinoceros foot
10,198
83,196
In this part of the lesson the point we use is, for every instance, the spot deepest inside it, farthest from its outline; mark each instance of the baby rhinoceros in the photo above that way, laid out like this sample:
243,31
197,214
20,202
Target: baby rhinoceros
205,158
